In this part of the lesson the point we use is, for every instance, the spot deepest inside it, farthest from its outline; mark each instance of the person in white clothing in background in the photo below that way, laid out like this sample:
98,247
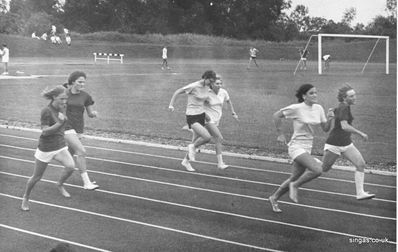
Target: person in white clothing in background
5,58
164,59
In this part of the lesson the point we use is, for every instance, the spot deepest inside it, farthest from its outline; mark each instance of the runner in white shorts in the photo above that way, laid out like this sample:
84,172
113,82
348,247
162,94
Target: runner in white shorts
52,144
339,141
306,114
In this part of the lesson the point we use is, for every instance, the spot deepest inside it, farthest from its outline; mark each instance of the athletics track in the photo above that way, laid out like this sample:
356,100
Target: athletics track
148,202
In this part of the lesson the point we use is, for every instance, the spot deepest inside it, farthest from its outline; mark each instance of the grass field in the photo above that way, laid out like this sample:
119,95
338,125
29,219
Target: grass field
132,98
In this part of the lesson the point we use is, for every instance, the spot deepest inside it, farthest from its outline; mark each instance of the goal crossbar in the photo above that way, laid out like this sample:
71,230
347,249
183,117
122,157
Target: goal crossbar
320,35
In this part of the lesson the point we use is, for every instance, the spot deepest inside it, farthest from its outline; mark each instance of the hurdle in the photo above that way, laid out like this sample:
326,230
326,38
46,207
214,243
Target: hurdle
108,57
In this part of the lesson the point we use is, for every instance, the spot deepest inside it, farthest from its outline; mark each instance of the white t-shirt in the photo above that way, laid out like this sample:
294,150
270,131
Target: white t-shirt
164,53
253,52
197,94
5,55
326,57
213,107
304,117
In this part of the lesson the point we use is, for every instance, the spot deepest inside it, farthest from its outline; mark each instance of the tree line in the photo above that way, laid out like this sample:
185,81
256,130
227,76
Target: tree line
238,19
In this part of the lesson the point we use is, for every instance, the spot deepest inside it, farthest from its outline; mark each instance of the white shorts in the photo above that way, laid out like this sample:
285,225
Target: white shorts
46,157
303,59
338,150
72,131
297,148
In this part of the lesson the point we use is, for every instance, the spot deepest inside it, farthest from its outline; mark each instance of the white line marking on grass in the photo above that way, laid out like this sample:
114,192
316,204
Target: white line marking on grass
201,209
53,238
246,156
146,224
204,190
209,163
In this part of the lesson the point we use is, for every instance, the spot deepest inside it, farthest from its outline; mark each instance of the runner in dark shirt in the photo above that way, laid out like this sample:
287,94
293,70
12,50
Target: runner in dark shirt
51,143
339,141
78,102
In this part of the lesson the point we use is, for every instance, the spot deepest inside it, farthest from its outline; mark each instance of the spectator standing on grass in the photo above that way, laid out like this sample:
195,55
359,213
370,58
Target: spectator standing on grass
197,93
5,58
253,56
326,58
78,102
67,37
303,58
164,58
213,109
305,114
339,141
52,144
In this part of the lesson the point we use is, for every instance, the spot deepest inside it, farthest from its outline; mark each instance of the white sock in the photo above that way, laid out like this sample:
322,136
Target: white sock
359,180
219,159
86,179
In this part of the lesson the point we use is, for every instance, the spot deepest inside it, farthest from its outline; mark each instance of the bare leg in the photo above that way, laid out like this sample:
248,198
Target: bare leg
38,172
356,158
66,160
297,171
77,148
314,170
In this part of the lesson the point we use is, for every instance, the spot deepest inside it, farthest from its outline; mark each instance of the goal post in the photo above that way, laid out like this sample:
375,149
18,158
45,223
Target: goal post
321,35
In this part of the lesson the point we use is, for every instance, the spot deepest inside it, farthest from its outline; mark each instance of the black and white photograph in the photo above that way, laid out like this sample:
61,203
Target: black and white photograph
198,125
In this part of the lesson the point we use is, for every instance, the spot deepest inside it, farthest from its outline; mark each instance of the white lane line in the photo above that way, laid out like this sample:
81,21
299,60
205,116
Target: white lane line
171,147
211,191
209,163
52,238
204,175
146,224
201,209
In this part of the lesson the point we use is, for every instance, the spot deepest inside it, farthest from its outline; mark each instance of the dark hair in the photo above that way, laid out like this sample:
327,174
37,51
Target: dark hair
62,247
342,92
303,89
50,93
209,74
75,75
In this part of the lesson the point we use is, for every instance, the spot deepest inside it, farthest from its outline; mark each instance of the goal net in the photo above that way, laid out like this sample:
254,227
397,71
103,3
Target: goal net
321,36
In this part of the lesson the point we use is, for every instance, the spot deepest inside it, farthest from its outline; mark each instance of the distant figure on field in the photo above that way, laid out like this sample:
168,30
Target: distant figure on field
5,57
67,37
164,57
44,36
34,36
327,59
303,58
253,55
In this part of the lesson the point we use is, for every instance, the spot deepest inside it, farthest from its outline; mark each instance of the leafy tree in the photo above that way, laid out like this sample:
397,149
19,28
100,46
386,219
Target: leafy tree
349,15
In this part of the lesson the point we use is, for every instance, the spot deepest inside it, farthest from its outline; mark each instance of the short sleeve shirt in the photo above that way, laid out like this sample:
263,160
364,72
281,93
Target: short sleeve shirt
76,106
253,52
213,107
197,94
55,141
304,117
338,136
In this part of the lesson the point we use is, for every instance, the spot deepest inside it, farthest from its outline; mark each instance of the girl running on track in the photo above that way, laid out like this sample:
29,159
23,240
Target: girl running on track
305,114
52,144
213,109
78,102
339,141
197,93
